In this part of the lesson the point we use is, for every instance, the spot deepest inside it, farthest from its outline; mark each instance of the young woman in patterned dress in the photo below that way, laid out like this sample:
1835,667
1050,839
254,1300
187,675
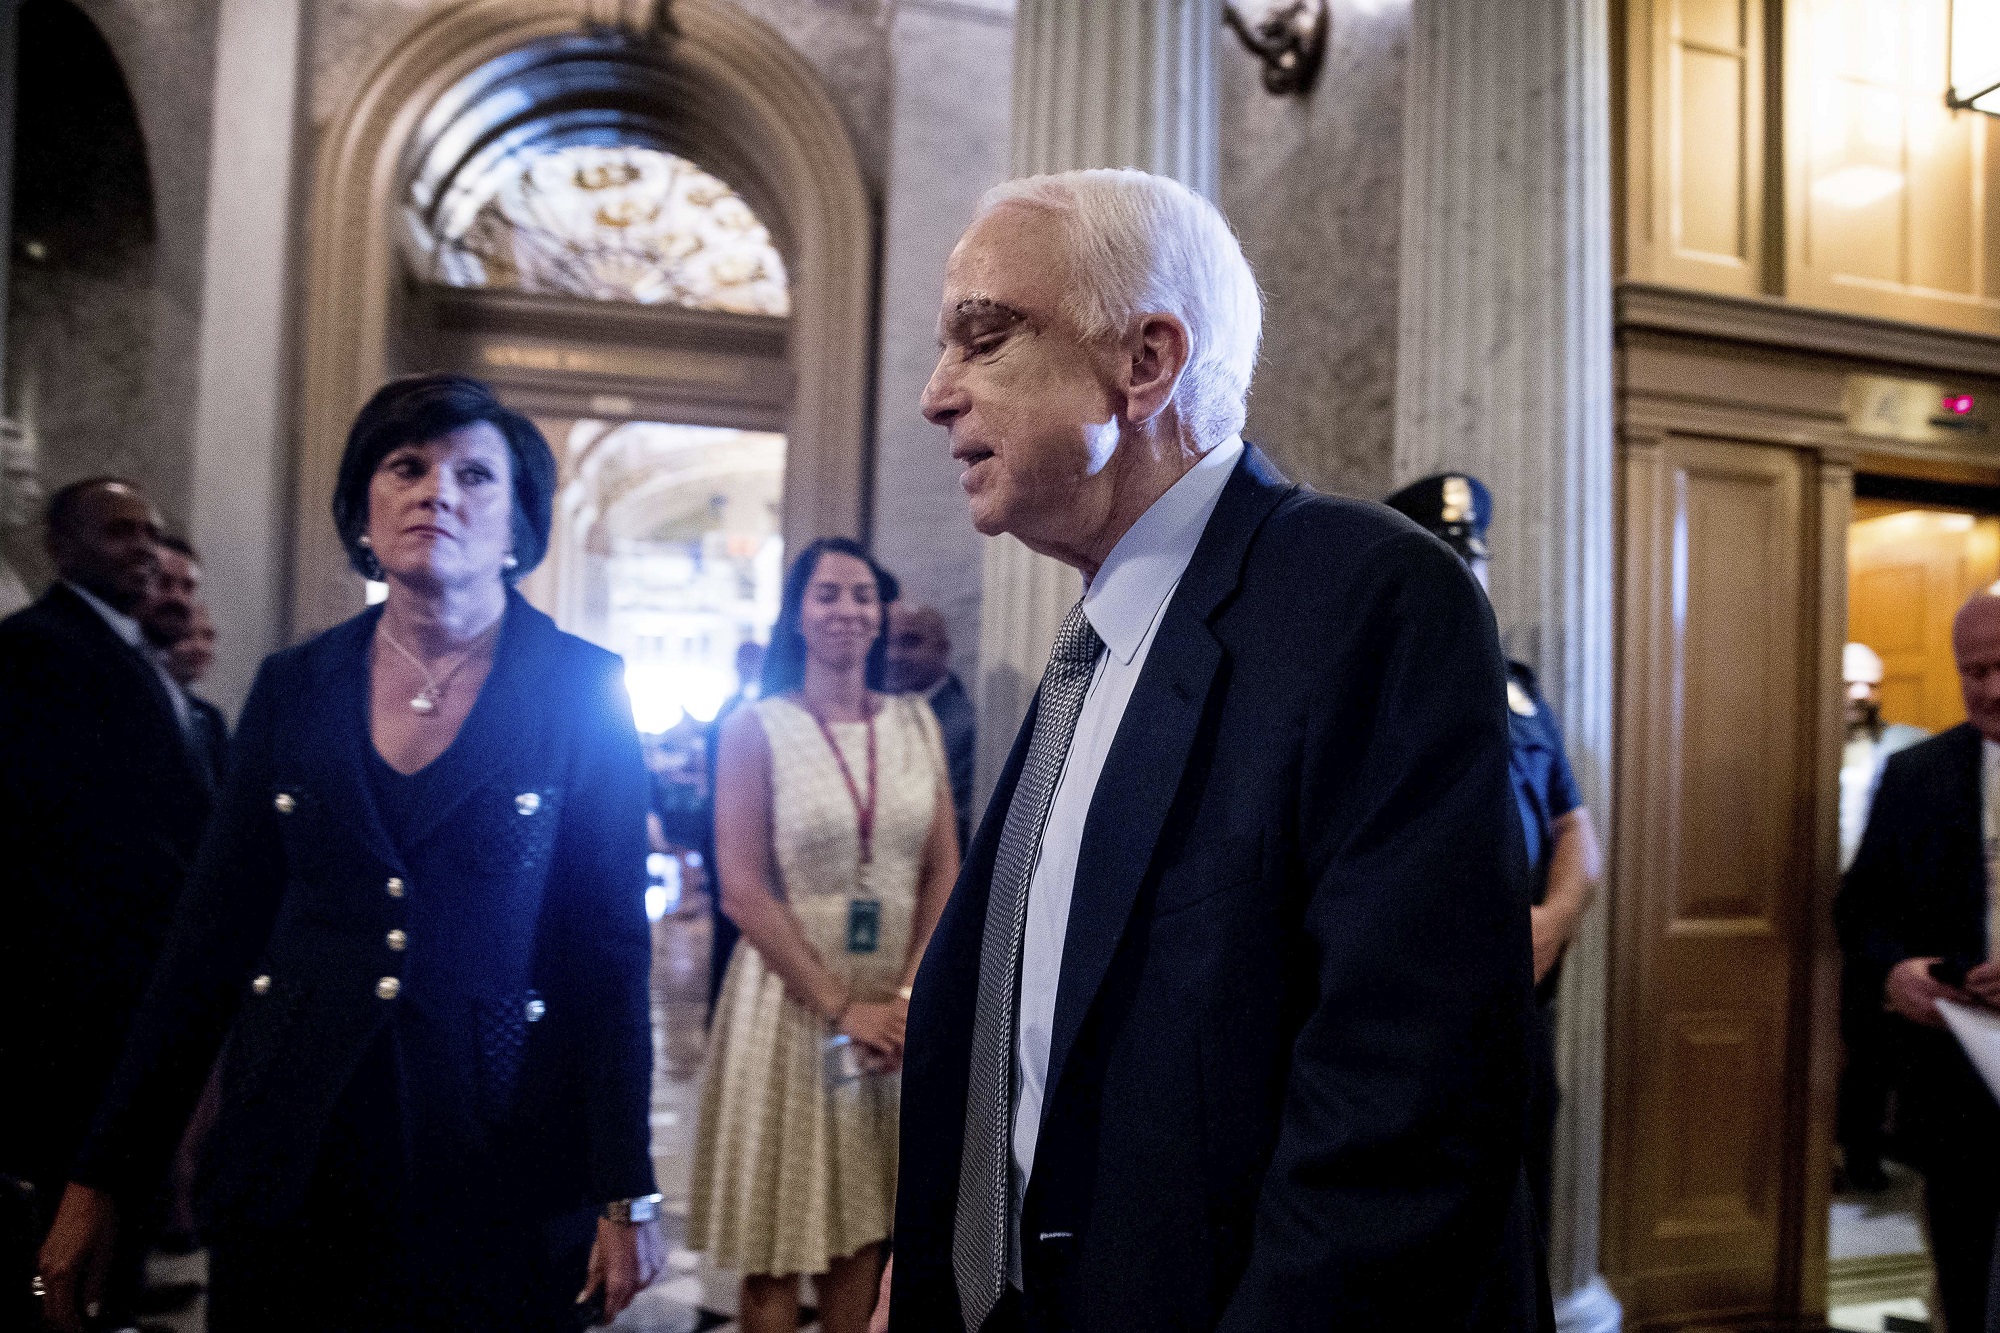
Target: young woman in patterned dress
836,849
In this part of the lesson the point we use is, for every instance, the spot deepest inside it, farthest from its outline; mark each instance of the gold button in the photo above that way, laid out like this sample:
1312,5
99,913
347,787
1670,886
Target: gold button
388,988
395,886
528,802
535,1010
284,803
397,940
261,986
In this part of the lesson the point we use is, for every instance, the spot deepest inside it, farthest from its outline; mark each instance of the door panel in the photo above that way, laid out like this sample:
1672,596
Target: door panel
1715,865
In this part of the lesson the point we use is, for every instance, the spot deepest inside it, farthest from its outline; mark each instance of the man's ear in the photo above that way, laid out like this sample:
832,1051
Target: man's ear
1155,355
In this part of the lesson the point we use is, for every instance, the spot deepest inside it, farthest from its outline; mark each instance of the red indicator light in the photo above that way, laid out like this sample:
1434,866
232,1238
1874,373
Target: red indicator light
1958,404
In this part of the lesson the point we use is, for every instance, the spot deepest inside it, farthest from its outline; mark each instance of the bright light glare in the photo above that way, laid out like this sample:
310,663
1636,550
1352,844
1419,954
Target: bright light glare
1857,186
1975,52
656,901
664,695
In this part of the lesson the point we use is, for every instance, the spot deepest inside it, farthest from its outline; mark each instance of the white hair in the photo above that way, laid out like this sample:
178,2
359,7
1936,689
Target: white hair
1140,244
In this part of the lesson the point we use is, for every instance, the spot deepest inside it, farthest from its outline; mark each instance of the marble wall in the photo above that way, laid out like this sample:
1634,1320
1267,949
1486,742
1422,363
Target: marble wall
1314,188
97,342
948,144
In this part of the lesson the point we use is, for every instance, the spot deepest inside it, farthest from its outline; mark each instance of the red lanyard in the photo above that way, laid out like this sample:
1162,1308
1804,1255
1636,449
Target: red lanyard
864,810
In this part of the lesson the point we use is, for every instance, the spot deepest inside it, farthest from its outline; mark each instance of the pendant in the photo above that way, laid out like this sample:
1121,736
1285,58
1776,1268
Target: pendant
422,704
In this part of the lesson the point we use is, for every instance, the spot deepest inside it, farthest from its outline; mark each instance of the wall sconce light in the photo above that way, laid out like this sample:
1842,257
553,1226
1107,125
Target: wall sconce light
1975,56
1289,36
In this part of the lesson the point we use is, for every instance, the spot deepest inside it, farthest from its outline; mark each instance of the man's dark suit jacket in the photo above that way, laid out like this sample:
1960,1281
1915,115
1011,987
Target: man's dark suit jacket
960,730
1917,889
214,737
522,885
1289,1071
101,809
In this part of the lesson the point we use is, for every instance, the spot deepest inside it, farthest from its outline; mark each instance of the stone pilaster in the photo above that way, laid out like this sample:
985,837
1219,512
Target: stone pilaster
1504,370
242,440
1097,83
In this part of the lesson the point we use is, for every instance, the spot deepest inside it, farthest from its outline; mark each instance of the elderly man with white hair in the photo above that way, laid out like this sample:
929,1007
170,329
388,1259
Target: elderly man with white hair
1226,1025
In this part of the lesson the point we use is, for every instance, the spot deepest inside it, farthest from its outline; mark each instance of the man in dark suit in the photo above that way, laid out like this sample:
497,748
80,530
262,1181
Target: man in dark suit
182,636
1227,1024
101,806
919,661
1917,913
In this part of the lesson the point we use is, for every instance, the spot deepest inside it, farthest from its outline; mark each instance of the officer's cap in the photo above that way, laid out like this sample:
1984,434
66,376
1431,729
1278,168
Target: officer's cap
1453,505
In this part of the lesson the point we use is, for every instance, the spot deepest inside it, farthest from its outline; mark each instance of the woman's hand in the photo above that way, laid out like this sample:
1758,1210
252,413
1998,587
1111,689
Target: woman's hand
879,1027
76,1256
624,1260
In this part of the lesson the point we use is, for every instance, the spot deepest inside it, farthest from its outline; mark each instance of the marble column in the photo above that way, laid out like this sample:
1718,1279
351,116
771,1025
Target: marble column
1504,370
20,487
1097,83
242,440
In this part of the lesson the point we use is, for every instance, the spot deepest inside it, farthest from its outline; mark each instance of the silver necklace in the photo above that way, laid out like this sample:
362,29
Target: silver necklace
427,699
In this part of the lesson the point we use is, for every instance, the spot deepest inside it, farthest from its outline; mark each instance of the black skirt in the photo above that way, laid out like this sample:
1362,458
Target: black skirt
387,1243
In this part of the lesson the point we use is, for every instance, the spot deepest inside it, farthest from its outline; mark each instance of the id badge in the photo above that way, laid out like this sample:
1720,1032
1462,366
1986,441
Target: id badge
864,925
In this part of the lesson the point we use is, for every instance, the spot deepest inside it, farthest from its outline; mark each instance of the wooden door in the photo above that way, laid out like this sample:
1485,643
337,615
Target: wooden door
1705,1183
1908,571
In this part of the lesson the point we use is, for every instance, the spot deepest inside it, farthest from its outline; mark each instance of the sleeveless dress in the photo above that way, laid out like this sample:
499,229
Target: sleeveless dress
789,1171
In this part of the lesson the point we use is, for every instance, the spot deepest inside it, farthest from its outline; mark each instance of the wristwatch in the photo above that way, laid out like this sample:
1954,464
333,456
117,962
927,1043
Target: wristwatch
645,1208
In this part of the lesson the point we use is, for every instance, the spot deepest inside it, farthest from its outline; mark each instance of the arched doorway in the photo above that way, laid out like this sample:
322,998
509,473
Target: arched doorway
465,103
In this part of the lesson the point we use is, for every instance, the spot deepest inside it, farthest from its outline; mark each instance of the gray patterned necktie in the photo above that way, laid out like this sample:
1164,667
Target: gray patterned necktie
981,1232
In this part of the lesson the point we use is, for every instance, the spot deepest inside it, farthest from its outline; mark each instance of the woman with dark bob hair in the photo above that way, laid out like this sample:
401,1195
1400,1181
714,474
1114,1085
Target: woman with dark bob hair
837,848
415,932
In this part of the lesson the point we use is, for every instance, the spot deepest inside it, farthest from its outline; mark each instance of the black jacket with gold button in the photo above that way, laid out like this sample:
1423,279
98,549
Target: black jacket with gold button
505,939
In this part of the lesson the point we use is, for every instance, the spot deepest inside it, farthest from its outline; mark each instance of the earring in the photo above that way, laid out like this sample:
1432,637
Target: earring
508,561
363,540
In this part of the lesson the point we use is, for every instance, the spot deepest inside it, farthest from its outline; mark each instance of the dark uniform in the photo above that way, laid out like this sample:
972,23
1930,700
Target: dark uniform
1457,507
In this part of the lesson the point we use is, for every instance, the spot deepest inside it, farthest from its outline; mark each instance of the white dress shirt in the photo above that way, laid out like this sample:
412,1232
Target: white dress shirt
1124,604
1989,791
128,629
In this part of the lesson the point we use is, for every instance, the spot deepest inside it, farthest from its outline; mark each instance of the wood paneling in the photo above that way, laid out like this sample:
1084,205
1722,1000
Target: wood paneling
1694,143
1893,199
1716,852
1852,187
1908,572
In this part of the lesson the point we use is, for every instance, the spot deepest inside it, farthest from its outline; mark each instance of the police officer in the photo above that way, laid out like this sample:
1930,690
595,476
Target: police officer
1562,845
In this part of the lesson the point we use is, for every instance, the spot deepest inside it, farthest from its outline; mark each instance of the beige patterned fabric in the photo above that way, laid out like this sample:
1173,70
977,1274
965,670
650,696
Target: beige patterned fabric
790,1173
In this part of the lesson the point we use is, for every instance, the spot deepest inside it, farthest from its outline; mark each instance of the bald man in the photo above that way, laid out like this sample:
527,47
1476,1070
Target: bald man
101,806
1919,914
920,663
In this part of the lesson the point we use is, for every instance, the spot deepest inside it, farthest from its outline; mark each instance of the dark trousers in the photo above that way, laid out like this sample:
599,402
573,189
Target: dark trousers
1963,1207
1544,1099
1865,1082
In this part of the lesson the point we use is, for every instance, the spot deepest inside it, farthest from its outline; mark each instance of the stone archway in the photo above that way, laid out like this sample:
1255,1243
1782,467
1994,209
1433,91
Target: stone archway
748,99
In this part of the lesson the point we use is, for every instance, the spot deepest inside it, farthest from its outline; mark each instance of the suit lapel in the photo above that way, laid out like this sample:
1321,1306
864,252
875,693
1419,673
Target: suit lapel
1149,754
339,740
1967,812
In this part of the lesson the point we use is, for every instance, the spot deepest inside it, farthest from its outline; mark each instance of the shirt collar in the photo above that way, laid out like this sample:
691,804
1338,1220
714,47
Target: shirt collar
124,626
1146,565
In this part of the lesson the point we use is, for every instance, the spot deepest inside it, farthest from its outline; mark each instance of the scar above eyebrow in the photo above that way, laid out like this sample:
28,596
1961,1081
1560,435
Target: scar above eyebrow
976,309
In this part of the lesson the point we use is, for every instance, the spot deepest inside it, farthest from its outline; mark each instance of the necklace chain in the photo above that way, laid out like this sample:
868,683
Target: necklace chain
426,700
